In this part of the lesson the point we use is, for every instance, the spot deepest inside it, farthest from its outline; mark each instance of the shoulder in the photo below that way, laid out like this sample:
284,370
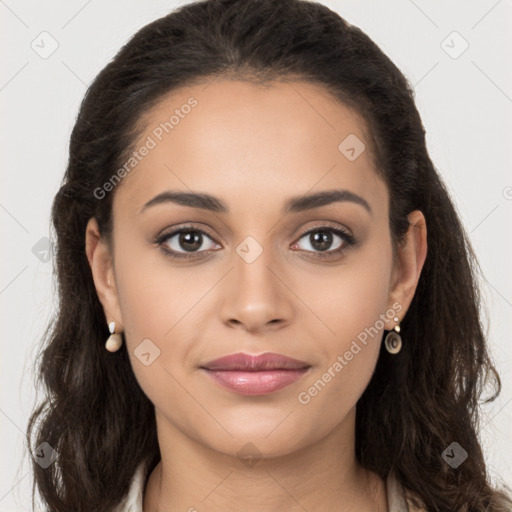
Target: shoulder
401,499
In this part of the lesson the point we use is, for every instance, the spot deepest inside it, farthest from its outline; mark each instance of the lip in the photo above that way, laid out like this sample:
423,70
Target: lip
247,362
246,374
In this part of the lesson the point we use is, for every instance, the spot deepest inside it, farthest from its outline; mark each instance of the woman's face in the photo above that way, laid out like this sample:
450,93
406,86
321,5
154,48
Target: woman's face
315,282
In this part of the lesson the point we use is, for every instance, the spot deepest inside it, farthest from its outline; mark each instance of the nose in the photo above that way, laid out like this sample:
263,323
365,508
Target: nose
256,296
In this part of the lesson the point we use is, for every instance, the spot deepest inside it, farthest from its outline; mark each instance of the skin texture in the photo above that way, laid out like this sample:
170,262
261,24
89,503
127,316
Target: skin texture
253,147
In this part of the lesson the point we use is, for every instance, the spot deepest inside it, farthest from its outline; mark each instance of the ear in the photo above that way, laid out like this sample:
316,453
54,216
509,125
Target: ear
101,263
411,255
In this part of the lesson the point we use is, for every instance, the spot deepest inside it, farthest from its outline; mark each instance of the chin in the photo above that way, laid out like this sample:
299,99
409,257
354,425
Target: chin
260,441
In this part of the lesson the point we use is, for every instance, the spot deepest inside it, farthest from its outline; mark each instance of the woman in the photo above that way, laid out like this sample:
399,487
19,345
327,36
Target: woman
267,299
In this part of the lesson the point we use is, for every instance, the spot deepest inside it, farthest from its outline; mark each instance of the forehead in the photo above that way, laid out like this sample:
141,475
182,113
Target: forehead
249,143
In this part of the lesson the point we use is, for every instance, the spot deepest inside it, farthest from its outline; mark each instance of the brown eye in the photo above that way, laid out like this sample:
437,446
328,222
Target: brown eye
186,242
325,241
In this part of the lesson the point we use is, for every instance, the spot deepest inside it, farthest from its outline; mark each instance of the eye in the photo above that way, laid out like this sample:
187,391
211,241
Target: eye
190,242
321,238
184,242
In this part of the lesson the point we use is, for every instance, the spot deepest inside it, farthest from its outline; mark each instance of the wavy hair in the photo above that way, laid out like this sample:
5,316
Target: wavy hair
416,403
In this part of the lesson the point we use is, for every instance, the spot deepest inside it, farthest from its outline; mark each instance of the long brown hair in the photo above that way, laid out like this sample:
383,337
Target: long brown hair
416,403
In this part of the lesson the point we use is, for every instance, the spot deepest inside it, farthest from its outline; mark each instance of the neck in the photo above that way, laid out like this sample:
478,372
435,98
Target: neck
322,476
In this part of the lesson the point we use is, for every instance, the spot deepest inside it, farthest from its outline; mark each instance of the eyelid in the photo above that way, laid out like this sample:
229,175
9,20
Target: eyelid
327,225
192,226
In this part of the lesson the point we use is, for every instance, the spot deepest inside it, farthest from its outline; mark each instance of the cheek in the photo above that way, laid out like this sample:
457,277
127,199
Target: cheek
158,303
354,295
353,307
155,295
158,311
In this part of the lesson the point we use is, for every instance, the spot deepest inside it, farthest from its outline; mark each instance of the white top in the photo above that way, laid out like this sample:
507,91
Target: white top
398,497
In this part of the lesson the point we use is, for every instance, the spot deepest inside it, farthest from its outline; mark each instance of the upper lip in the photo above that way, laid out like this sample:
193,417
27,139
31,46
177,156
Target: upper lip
262,362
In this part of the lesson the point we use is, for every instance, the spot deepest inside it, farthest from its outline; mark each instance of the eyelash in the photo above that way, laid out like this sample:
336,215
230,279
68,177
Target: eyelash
348,240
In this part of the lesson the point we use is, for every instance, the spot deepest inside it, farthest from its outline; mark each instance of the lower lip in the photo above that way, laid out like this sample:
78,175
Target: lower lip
255,383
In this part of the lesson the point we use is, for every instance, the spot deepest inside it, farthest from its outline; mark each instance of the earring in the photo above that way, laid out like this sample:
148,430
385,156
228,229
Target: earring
115,340
393,341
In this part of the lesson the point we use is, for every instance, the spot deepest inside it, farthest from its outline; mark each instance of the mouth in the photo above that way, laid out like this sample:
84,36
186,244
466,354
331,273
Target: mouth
255,375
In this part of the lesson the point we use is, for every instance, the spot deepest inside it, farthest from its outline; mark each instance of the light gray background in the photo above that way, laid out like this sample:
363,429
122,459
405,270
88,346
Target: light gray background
465,104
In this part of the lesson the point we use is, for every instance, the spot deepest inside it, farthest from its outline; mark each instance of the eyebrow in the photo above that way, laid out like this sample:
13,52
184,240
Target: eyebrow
292,205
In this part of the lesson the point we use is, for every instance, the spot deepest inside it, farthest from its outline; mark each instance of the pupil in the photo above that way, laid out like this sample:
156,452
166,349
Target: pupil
191,240
321,240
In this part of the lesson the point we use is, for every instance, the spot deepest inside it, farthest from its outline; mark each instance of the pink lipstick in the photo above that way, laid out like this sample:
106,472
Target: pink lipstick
255,375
